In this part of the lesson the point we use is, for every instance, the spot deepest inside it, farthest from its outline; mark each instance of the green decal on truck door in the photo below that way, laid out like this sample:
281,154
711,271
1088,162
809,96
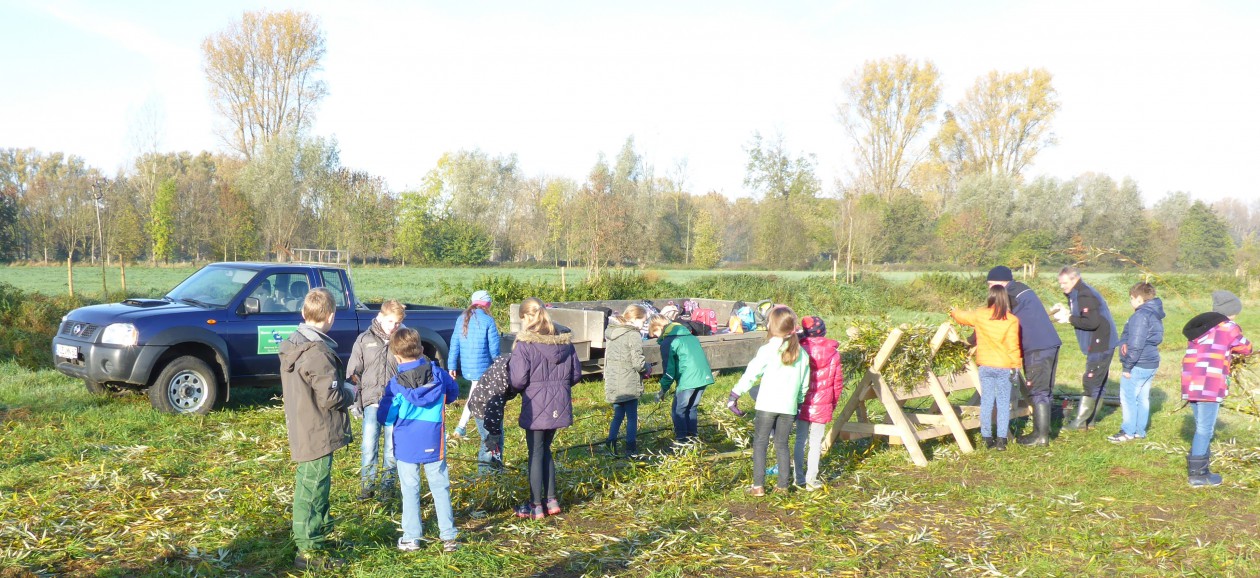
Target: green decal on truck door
270,336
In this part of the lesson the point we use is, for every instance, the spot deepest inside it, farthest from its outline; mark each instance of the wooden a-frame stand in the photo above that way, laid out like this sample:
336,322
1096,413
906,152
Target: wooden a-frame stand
909,428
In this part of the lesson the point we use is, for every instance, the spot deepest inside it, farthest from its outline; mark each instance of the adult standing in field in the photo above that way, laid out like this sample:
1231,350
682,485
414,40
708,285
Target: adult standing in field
474,345
1088,313
1039,343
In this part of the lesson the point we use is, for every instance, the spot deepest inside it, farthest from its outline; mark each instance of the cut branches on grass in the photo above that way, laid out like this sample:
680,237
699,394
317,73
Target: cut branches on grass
911,360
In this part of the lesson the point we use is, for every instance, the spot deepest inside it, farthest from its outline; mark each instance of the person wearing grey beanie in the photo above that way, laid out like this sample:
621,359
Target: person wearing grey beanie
1226,303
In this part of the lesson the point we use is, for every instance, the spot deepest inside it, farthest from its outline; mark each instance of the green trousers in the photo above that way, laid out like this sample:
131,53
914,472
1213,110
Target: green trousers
311,521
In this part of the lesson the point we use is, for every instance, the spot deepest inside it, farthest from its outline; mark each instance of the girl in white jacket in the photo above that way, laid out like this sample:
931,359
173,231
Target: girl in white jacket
783,370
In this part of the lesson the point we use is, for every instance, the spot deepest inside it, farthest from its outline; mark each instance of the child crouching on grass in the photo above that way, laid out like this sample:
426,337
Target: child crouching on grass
1214,339
783,370
414,405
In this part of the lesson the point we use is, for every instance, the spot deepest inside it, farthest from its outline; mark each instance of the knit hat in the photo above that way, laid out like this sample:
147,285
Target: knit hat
1226,303
481,298
813,326
1001,273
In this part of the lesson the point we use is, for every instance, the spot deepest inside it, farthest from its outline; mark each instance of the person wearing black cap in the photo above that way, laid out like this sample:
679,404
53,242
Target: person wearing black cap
1088,313
1039,343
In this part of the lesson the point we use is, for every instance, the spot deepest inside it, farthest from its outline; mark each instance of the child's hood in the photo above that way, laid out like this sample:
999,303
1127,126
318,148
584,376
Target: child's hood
1154,306
418,383
1201,324
821,349
617,330
554,346
304,339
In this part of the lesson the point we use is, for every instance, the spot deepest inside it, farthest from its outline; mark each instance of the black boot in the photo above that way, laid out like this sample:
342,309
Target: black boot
1083,414
1199,471
989,443
1000,445
1040,435
632,449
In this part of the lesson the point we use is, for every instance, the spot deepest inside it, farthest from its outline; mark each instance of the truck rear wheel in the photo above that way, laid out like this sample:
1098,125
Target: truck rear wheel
186,385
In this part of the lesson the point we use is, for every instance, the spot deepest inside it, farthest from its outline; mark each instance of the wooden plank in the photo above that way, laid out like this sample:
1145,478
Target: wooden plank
855,400
898,418
871,428
947,414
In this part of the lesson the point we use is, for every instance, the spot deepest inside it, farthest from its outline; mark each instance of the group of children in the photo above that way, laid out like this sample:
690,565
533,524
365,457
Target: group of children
796,379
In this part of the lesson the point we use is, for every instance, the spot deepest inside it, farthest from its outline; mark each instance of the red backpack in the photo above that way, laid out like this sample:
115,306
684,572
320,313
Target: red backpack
705,316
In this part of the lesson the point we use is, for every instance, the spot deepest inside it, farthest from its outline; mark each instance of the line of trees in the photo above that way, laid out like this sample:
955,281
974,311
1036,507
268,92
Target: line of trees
926,189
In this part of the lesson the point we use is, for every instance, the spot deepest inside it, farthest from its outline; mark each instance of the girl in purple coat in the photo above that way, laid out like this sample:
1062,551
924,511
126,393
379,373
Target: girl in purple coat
543,368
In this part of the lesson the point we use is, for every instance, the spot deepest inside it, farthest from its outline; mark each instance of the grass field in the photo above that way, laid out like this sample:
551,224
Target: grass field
106,486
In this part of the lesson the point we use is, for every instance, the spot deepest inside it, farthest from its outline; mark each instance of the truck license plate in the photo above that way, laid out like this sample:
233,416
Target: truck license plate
67,351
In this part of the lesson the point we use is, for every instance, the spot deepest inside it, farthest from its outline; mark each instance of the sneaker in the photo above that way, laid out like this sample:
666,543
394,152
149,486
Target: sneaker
553,507
757,491
410,545
366,492
813,486
530,511
1120,437
450,546
1000,444
316,562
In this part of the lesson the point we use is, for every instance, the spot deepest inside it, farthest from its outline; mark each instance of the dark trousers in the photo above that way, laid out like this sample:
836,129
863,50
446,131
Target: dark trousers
628,411
1095,377
765,423
1040,367
686,414
542,470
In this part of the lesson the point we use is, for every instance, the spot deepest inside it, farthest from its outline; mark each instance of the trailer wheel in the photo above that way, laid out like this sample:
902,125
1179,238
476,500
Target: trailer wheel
186,385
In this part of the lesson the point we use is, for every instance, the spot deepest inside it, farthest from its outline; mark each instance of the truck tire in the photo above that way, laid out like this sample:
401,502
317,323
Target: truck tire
186,385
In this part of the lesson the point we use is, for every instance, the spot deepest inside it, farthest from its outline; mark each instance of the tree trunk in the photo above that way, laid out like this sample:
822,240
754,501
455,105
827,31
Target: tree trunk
70,272
122,267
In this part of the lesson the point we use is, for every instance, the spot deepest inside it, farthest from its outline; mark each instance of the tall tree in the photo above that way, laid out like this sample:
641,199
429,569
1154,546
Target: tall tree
263,76
787,187
1005,120
1112,215
706,251
889,104
1205,241
162,221
287,185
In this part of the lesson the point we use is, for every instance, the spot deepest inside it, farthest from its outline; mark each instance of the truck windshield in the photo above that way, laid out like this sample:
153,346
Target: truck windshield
212,286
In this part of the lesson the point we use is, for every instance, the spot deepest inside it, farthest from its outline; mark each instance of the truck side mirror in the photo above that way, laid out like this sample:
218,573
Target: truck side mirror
251,305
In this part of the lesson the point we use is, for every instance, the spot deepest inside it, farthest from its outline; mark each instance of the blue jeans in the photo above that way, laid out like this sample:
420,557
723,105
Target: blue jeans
685,413
439,486
1135,400
372,431
1204,426
486,461
629,411
995,390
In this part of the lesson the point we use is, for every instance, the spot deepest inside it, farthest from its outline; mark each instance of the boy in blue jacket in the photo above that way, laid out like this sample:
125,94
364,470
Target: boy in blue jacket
1139,358
413,404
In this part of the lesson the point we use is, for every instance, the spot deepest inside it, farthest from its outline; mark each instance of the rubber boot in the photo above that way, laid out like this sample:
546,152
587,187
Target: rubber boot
1197,469
990,443
1000,445
1040,435
1083,414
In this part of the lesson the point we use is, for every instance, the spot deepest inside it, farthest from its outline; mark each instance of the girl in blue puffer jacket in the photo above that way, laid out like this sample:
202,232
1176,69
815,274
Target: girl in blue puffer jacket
474,346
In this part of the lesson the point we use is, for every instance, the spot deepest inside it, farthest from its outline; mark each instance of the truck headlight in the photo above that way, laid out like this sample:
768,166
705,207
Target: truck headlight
120,334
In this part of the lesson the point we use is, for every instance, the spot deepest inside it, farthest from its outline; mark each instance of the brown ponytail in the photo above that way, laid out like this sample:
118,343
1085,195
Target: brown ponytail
999,301
782,323
468,313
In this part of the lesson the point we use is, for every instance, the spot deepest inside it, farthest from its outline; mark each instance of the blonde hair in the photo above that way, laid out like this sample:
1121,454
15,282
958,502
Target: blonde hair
781,322
406,344
656,324
631,314
394,308
534,317
318,305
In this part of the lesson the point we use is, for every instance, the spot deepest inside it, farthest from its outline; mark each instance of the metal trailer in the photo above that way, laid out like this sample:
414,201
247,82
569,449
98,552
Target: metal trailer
587,323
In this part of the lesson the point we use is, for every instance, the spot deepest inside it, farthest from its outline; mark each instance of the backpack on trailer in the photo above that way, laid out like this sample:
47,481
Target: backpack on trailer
695,327
705,316
487,400
742,318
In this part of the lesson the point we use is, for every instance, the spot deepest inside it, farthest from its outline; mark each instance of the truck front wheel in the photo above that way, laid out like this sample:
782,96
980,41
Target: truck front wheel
186,385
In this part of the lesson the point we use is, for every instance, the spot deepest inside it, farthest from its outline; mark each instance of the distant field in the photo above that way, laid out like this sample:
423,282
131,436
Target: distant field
414,284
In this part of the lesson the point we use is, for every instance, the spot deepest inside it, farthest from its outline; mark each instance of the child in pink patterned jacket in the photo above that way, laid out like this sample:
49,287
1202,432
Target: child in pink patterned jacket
1214,338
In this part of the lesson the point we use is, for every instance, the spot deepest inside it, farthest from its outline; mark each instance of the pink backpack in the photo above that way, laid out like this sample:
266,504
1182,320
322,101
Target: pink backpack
705,316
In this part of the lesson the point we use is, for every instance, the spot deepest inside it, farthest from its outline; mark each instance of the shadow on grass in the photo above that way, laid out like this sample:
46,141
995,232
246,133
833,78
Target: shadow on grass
253,395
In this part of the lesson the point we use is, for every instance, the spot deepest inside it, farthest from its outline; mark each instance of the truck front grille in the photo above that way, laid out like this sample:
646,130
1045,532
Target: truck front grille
78,329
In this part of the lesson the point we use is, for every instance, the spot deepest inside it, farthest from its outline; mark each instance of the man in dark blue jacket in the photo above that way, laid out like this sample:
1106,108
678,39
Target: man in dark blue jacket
1095,333
1039,343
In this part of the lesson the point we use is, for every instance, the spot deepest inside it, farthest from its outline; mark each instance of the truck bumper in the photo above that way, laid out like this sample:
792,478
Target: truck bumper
105,363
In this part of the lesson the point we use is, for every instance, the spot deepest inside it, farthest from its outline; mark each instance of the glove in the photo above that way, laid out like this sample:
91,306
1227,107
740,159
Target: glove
492,445
733,405
660,395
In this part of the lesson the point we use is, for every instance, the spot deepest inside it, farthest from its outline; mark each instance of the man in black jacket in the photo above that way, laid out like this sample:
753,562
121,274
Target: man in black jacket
1095,333
1039,343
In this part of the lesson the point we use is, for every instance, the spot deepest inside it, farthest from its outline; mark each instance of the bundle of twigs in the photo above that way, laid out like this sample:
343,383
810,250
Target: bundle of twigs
908,366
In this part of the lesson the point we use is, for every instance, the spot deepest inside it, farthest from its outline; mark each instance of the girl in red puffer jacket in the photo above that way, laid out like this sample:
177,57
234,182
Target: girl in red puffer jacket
825,384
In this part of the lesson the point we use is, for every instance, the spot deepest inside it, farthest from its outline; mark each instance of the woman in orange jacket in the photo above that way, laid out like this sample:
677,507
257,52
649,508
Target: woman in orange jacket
997,354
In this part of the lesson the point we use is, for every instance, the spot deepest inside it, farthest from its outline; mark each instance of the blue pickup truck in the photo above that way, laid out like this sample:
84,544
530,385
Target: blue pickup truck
220,327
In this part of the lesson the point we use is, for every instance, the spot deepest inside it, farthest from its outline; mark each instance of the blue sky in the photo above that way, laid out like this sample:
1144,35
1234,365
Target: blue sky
1163,92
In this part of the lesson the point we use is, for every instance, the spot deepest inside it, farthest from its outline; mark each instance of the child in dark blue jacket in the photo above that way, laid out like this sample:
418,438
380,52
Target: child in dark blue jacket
414,405
1139,358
